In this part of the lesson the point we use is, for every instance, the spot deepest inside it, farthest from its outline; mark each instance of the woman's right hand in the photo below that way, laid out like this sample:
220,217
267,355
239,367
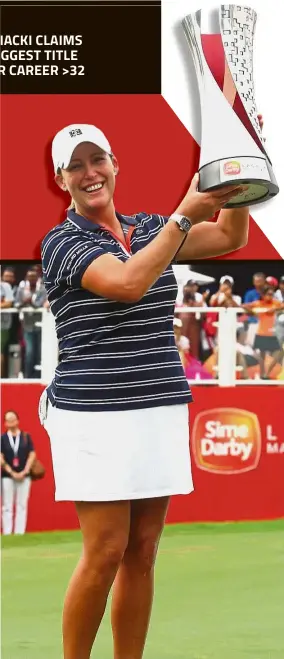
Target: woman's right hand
17,476
201,206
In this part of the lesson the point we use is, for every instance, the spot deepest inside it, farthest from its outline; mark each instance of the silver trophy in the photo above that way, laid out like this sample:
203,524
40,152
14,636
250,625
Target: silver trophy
232,146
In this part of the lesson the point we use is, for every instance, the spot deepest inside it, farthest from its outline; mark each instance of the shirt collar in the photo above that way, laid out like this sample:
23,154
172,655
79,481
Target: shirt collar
82,223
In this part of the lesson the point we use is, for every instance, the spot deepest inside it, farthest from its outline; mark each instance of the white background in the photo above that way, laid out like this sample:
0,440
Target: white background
180,90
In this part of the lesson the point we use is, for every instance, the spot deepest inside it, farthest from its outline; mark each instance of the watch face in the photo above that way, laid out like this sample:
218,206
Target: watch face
185,224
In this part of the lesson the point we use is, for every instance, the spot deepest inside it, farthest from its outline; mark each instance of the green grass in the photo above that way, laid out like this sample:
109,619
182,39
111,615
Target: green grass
219,593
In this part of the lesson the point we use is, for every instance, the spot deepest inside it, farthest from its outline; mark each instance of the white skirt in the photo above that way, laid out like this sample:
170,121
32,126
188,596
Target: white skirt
120,455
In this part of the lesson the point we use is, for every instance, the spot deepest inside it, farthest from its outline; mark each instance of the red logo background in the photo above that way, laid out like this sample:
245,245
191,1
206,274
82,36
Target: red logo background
202,442
232,167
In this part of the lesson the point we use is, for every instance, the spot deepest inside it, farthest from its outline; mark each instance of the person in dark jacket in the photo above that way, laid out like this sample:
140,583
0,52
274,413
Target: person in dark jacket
17,458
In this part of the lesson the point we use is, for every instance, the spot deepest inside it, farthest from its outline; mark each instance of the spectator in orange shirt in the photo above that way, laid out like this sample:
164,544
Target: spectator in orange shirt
265,339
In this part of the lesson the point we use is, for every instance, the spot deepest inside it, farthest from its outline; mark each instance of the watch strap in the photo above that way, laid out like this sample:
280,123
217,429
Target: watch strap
182,221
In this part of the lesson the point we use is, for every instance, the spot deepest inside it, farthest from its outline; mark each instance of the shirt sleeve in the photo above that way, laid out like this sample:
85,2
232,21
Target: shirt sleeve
3,446
162,219
7,290
248,297
20,297
39,298
156,221
66,257
30,445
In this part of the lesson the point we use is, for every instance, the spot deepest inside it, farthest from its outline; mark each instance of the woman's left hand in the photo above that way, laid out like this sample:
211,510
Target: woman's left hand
20,475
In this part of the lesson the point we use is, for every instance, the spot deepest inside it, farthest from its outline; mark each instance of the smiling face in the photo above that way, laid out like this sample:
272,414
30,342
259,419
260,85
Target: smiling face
89,178
11,421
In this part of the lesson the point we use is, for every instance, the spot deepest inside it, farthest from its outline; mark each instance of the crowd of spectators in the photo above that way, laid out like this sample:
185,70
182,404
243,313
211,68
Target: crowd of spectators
260,327
259,337
22,330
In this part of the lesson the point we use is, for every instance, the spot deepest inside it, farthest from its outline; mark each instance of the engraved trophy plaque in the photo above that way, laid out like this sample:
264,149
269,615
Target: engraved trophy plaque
232,146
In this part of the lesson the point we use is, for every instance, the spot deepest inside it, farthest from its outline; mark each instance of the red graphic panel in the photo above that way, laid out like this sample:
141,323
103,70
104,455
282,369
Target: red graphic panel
231,168
157,158
213,50
240,111
257,493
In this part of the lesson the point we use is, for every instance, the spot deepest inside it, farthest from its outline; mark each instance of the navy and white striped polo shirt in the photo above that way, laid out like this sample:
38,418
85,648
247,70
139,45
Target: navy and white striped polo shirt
112,355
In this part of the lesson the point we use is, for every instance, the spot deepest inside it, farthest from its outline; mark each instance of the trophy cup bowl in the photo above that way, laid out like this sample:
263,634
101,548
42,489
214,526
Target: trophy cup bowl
232,147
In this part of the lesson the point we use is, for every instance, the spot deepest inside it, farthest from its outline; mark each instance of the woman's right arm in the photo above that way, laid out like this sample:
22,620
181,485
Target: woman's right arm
6,467
128,282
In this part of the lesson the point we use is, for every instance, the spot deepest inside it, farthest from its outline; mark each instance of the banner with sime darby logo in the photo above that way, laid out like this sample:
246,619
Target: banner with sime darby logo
226,440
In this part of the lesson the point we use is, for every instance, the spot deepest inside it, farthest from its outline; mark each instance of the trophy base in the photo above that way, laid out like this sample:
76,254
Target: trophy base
254,172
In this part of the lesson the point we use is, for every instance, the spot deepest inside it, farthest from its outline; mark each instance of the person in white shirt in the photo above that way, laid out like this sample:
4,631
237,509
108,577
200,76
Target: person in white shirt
279,322
31,295
279,294
6,321
224,296
182,342
191,293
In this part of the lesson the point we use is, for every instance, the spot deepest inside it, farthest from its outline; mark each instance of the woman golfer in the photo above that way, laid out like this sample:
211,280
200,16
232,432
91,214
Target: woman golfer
117,409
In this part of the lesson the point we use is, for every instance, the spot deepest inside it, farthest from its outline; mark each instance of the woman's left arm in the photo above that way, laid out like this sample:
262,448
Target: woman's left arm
29,463
209,239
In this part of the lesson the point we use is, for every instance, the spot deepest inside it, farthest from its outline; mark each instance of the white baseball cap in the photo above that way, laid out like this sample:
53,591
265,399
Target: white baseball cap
226,278
66,140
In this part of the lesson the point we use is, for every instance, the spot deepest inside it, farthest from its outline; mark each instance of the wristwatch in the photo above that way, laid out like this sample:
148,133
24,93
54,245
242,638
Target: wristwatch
183,222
